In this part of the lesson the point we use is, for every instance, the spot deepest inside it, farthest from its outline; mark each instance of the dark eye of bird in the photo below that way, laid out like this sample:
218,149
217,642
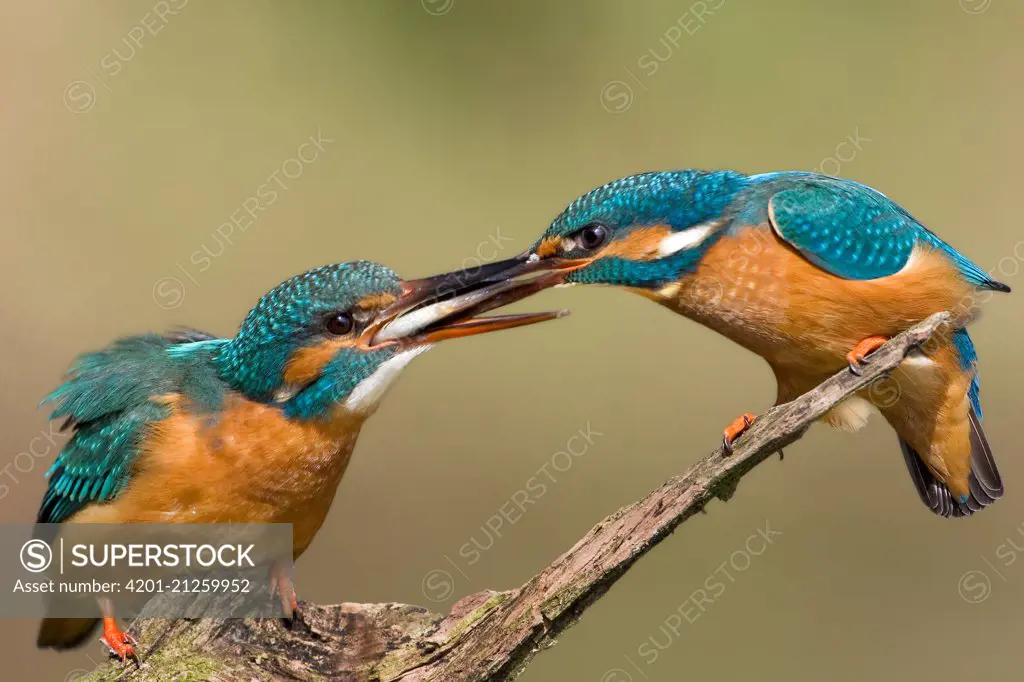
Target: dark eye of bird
593,236
339,324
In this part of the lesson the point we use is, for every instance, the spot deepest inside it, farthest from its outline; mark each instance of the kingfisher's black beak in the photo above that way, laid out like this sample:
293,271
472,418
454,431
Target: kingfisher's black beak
451,305
528,264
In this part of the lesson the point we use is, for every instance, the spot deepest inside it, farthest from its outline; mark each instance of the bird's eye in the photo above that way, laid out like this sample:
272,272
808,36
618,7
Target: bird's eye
593,236
339,324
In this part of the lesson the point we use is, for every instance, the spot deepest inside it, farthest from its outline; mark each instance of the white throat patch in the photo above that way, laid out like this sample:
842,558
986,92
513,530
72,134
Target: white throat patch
365,397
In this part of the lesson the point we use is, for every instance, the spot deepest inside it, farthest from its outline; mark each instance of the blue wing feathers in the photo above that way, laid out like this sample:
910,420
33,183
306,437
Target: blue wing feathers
851,230
108,397
844,230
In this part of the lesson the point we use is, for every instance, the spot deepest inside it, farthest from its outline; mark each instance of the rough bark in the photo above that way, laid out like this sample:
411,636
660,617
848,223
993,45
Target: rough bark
488,635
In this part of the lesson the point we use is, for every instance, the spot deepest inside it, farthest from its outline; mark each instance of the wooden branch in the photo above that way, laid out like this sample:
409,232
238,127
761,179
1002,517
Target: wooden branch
488,635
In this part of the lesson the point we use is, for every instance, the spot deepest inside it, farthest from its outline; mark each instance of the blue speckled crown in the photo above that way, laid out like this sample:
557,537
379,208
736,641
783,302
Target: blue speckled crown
676,198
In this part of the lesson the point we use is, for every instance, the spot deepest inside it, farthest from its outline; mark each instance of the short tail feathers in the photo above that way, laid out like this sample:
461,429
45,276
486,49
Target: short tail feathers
986,484
65,633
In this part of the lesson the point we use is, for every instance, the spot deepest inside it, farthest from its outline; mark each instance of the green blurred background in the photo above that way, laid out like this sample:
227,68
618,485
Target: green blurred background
456,131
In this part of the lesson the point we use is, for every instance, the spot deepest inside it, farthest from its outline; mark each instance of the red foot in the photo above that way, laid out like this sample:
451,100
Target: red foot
281,583
736,429
121,644
858,356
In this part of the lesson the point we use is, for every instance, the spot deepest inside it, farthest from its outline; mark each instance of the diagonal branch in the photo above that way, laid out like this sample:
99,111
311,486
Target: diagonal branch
489,635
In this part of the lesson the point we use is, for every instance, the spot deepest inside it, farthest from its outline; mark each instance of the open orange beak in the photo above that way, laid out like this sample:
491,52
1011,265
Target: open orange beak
452,305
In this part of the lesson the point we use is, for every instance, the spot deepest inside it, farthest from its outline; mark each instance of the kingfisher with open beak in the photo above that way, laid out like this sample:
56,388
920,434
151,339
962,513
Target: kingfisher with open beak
257,428
812,273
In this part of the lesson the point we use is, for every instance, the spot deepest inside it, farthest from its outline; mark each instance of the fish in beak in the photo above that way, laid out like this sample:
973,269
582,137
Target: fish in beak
452,305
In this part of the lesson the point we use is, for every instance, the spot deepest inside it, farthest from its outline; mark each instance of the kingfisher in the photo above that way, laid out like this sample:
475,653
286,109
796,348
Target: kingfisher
812,273
258,428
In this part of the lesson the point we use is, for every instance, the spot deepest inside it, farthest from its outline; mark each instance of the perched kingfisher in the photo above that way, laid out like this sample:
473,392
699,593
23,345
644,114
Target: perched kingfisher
190,428
812,273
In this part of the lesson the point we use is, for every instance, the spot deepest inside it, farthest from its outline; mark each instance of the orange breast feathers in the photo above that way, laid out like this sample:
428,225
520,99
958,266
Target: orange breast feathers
762,293
247,464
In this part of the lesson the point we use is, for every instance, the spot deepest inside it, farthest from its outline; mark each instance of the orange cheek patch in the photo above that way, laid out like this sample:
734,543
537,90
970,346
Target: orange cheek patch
640,244
307,363
549,247
376,301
